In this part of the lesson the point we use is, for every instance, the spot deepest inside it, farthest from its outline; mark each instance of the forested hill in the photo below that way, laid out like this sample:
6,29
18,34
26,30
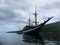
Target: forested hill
52,31
53,26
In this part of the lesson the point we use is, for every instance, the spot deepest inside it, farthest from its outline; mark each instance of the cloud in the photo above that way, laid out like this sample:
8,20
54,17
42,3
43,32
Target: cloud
57,5
10,17
6,14
17,12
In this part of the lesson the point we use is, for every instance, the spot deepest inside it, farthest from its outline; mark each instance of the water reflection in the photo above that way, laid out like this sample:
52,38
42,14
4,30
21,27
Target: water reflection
47,42
15,39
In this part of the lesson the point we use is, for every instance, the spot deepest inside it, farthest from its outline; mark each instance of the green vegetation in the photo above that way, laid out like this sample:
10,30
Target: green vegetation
51,31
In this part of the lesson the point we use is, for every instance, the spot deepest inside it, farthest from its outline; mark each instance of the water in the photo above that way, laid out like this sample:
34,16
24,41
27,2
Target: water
10,39
15,39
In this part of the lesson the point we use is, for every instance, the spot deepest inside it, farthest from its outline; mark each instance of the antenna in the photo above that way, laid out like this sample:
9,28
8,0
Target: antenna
35,13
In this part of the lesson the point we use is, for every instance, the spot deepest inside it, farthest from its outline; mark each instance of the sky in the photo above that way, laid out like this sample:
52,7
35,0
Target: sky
14,14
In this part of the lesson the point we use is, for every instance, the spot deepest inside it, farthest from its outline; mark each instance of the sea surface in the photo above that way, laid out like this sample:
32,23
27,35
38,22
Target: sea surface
16,39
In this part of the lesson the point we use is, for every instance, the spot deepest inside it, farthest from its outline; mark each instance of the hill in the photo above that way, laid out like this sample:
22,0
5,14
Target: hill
51,31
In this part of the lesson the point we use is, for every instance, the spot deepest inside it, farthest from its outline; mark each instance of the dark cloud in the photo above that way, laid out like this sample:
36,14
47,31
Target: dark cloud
49,7
8,16
56,5
18,4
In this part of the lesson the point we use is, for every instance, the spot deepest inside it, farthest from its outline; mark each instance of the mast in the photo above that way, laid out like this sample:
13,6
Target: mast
35,13
29,22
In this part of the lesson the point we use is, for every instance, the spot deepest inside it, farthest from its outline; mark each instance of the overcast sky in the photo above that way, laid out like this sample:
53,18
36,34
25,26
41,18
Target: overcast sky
15,13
